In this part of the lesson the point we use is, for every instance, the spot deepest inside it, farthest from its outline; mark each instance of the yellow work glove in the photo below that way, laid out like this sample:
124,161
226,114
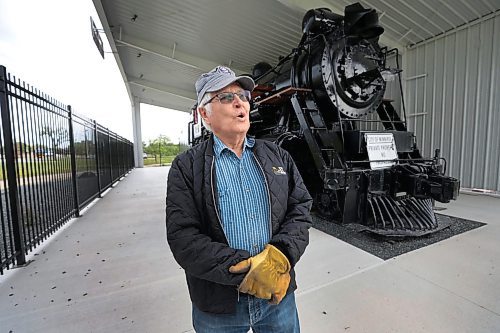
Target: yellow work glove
268,274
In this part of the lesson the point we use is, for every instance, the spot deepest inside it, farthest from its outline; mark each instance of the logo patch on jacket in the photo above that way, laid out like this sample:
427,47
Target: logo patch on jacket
279,171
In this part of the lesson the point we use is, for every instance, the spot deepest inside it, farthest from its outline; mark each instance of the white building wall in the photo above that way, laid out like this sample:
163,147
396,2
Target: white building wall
452,99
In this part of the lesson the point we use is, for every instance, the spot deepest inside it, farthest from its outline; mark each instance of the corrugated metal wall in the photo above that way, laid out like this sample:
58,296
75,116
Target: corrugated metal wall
392,89
452,98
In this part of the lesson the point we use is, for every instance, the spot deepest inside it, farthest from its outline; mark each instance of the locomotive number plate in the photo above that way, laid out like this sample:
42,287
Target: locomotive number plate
381,149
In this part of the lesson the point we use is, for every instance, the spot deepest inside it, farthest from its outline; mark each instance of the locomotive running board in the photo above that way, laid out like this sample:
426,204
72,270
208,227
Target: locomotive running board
282,96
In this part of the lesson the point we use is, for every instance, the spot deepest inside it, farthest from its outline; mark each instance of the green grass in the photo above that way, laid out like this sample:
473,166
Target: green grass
48,166
165,160
62,165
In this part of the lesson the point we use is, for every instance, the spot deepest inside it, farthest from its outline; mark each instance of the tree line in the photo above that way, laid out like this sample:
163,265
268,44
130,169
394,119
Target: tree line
161,146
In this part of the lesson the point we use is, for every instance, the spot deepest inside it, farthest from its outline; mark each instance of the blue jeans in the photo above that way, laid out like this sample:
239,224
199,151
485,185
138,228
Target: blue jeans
251,312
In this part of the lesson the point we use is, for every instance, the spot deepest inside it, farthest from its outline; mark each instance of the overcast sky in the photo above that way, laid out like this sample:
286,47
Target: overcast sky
48,44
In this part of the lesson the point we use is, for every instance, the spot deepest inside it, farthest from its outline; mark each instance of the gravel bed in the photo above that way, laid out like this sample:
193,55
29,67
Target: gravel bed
389,247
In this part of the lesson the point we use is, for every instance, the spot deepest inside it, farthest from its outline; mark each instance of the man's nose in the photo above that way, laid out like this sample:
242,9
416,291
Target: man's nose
237,101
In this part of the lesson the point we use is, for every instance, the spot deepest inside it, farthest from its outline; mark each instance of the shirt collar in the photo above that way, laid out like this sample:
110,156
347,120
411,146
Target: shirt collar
219,146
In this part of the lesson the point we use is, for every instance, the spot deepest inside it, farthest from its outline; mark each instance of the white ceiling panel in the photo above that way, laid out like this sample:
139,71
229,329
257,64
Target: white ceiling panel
164,45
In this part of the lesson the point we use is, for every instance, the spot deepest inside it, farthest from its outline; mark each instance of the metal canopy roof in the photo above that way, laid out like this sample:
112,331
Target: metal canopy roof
162,46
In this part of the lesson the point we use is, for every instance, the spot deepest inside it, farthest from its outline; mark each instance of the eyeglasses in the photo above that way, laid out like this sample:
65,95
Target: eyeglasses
228,97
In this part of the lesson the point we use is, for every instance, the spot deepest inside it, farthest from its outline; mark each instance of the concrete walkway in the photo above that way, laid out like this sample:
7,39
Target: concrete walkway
112,271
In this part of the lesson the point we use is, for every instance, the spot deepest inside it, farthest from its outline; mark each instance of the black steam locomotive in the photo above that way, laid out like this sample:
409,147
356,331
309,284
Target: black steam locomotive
321,103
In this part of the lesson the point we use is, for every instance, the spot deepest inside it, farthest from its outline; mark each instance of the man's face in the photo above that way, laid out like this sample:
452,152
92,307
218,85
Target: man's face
228,119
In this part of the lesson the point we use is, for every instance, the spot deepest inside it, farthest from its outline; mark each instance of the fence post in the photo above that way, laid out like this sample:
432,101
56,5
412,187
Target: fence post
10,161
96,136
110,160
73,162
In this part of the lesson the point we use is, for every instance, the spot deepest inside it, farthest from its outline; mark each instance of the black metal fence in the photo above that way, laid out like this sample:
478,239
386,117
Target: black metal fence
53,163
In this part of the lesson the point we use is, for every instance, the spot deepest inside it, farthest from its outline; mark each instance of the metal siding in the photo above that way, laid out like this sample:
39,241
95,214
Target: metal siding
490,63
392,87
471,105
459,87
425,142
420,95
460,94
424,101
437,109
447,102
481,115
494,150
408,71
431,112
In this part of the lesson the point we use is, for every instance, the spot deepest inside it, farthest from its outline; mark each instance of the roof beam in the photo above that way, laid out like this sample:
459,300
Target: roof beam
163,104
415,24
303,6
186,95
429,20
170,54
163,96
457,29
163,56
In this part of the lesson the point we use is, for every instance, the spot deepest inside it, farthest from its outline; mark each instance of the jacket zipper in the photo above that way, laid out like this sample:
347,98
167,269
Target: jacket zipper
213,198
268,196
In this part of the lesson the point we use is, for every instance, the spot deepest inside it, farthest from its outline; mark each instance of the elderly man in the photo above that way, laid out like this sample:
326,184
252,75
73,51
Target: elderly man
237,217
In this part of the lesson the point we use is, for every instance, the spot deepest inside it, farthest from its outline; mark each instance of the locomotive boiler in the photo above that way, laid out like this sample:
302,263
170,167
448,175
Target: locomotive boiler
322,103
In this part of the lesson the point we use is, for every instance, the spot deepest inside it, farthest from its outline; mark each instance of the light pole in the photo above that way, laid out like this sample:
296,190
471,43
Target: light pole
159,149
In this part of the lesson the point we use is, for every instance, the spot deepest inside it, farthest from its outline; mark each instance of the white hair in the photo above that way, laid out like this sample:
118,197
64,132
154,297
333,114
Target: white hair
208,108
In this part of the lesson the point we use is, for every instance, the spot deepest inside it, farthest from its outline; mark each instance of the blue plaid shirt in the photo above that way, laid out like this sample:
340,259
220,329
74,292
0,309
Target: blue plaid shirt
243,197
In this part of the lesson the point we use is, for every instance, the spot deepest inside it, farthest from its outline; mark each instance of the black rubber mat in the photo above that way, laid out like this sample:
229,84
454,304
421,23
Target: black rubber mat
386,248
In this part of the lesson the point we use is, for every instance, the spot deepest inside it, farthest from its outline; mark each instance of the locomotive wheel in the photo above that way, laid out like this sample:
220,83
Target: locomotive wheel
326,206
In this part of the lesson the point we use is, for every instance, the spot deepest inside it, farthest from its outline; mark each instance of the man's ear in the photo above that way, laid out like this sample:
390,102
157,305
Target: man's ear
203,113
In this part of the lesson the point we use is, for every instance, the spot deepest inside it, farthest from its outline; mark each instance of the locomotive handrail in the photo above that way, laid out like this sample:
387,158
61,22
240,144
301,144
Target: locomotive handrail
395,50
394,160
376,121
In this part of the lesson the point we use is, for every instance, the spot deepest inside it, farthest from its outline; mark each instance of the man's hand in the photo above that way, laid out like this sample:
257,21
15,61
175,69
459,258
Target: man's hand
268,274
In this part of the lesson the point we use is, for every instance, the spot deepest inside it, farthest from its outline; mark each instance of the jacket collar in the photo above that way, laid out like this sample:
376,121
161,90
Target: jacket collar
219,146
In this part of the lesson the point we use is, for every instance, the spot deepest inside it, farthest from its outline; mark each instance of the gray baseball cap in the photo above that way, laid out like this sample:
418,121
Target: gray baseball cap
218,78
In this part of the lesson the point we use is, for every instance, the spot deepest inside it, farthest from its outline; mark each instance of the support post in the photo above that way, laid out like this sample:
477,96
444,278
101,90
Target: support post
136,124
10,161
110,160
